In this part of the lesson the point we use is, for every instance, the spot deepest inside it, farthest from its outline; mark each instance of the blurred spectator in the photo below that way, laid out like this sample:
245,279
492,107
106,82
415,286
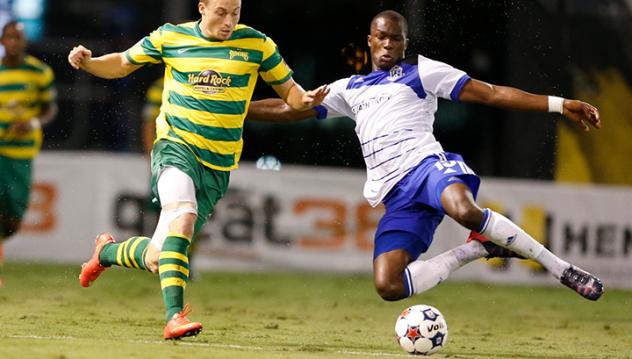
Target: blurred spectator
27,101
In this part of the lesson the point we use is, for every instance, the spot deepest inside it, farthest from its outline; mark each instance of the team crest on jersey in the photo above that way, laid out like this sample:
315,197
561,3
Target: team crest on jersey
209,82
236,53
395,73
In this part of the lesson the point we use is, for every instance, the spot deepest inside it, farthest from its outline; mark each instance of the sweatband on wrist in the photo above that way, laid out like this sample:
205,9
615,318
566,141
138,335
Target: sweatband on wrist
35,123
556,104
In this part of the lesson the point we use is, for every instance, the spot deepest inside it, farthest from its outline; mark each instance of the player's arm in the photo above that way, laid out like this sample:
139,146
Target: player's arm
579,112
47,114
299,99
277,111
110,66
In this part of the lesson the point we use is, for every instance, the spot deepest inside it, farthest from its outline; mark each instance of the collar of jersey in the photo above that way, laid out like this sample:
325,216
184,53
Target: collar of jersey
401,63
199,33
2,65
379,72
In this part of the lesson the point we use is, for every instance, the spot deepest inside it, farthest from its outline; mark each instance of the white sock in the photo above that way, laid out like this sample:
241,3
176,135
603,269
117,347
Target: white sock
422,275
503,232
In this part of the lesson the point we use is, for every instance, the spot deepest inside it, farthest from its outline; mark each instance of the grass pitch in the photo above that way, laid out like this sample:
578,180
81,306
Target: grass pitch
44,313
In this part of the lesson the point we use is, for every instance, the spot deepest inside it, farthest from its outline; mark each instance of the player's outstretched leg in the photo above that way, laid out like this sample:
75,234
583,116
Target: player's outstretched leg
397,277
130,254
505,233
419,276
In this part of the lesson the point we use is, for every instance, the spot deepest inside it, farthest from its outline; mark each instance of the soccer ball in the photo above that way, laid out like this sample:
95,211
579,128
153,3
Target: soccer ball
421,329
268,163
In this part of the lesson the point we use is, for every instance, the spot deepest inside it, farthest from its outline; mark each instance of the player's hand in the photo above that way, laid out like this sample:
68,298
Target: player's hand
79,56
315,97
582,113
21,128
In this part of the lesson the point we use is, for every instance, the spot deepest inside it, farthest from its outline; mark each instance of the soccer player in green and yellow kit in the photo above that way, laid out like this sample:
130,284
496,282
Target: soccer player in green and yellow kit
27,101
211,67
151,111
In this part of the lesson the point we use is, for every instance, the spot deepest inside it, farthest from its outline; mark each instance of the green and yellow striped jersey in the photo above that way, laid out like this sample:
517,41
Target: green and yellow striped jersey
208,85
153,101
24,89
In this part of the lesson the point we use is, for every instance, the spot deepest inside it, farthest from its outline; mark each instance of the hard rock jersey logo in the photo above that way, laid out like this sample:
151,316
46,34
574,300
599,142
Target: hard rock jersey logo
209,82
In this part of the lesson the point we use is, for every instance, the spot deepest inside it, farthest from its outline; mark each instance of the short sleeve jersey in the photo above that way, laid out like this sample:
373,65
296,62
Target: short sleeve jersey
208,85
394,114
24,91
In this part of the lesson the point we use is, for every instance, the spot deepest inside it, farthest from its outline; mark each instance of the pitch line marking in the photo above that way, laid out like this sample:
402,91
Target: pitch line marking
207,345
53,337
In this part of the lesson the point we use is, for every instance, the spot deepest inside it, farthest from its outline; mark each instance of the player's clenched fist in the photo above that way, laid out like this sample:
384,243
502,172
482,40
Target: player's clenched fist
78,56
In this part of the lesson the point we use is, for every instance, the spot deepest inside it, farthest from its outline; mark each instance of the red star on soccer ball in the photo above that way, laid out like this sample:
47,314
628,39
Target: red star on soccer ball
413,333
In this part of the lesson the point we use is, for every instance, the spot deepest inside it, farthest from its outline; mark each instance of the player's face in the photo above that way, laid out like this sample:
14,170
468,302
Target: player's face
219,17
14,41
387,42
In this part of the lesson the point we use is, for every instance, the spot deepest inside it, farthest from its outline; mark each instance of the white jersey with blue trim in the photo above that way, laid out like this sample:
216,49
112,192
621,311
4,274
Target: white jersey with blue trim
394,114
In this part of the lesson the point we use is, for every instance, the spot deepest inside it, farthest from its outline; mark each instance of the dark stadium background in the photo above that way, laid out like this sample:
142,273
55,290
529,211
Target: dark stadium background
534,45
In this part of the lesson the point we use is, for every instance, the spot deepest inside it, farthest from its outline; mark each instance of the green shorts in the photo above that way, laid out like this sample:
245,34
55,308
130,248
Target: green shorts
210,184
15,186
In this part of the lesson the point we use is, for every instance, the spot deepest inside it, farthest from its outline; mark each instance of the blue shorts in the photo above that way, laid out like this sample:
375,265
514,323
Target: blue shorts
414,207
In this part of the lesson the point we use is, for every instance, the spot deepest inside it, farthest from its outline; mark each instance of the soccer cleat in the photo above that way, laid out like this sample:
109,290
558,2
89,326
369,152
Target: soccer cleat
584,283
179,326
493,250
91,270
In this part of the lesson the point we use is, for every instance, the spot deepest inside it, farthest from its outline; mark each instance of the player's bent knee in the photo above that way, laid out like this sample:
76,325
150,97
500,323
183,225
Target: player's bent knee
389,290
184,224
177,217
388,274
467,215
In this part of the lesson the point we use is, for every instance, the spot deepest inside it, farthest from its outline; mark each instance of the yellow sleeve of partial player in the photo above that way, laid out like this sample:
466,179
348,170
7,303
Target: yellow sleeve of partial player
48,94
273,69
154,94
148,50
153,101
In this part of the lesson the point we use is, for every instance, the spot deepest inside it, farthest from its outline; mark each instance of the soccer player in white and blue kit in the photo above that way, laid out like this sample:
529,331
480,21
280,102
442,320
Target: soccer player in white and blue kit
409,172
